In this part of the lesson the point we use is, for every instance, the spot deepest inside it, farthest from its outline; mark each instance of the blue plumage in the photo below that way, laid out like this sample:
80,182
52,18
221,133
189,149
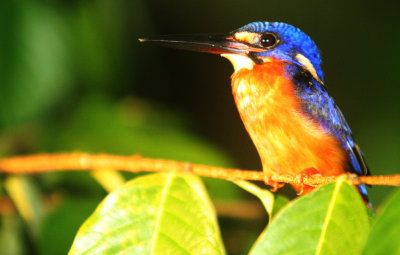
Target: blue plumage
320,107
295,41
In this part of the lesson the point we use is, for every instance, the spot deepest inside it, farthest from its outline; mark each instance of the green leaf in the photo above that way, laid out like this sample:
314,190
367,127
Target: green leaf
266,196
110,179
24,194
329,220
385,231
162,213
12,241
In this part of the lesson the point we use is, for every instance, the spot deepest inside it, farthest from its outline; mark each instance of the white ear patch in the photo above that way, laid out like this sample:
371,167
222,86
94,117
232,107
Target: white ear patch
239,61
310,67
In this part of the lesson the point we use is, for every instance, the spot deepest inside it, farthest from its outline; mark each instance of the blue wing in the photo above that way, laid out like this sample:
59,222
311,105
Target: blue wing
321,108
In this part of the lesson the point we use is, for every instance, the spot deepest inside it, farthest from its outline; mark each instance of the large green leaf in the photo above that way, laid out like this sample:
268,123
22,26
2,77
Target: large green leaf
162,213
330,220
384,237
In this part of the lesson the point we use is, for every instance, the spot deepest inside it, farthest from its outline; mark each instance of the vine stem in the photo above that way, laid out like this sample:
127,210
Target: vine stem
40,163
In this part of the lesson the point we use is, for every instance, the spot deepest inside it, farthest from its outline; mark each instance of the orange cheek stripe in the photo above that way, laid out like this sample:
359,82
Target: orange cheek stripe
287,141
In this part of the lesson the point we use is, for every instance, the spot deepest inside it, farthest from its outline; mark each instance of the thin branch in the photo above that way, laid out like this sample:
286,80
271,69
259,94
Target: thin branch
82,161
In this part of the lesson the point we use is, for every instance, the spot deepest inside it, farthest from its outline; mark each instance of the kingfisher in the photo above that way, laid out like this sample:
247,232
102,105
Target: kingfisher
280,93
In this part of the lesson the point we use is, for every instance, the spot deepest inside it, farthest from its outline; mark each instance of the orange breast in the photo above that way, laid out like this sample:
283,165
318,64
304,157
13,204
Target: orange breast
287,141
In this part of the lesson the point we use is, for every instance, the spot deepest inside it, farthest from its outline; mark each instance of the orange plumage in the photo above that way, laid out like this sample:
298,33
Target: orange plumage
287,141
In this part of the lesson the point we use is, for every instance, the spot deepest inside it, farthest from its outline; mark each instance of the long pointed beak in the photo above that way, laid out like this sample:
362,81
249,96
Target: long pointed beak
216,44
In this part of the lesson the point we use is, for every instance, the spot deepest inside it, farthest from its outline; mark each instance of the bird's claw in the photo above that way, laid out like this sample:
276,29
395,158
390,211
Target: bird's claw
275,185
305,188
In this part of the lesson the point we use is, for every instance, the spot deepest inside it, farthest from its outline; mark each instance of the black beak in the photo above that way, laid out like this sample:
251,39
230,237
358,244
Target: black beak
216,44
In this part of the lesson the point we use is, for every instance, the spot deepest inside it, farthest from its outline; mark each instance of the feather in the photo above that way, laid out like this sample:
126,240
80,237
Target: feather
322,109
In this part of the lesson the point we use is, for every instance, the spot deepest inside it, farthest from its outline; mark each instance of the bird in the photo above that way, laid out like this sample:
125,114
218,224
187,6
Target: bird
280,93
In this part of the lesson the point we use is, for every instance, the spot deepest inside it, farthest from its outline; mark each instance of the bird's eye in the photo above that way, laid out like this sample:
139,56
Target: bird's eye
268,40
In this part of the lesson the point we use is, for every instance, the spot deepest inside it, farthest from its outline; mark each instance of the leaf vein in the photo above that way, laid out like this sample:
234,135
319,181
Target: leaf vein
328,217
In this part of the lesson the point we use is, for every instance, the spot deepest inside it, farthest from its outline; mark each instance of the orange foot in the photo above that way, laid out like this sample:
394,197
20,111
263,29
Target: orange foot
275,185
304,188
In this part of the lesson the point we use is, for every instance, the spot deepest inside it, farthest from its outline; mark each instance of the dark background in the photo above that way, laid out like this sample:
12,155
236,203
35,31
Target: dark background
73,77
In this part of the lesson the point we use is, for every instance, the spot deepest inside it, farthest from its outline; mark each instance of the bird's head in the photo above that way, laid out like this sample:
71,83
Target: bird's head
254,44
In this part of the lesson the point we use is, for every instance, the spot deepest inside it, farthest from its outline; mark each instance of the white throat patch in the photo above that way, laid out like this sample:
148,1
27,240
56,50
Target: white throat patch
239,61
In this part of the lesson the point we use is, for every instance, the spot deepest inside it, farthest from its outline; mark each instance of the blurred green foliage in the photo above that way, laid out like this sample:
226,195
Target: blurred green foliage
73,77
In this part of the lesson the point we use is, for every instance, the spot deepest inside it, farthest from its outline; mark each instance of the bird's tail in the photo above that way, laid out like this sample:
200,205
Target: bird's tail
364,194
